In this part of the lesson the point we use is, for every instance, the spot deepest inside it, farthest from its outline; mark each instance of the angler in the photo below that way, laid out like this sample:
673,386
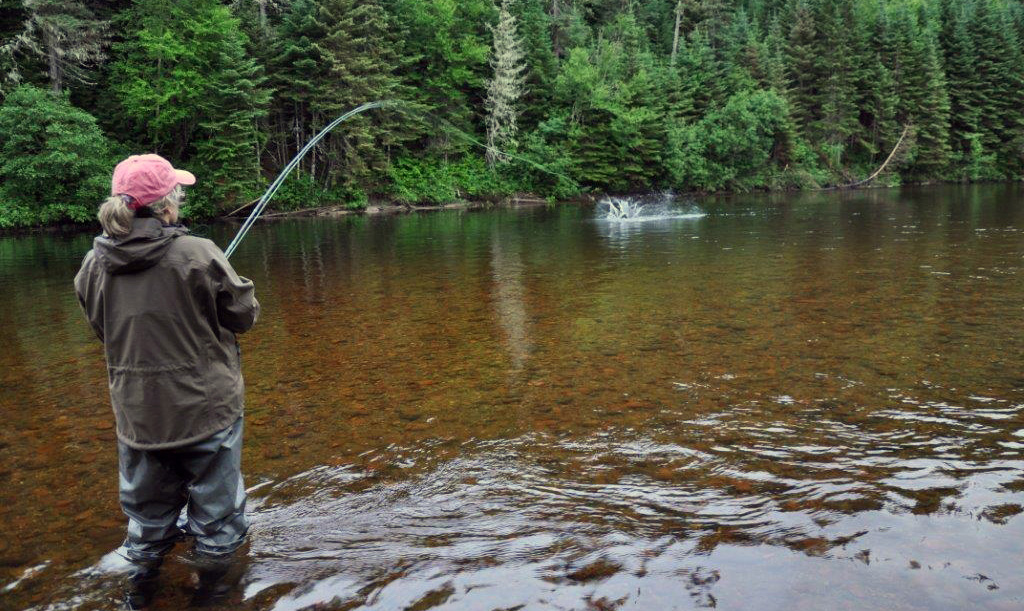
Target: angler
167,307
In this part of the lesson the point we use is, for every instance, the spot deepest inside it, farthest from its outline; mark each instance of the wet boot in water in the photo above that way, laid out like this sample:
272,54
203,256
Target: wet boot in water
141,587
214,587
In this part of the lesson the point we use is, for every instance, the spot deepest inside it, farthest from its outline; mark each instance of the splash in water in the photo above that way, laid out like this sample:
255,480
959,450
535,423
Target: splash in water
619,208
661,206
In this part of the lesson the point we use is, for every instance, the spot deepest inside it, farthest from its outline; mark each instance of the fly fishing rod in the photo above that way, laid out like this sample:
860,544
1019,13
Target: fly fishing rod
274,186
261,204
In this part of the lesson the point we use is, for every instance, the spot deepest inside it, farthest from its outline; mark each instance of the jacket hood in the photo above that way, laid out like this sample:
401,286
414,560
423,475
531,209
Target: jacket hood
141,249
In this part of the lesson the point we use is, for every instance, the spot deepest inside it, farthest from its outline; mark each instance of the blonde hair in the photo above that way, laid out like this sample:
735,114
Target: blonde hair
116,217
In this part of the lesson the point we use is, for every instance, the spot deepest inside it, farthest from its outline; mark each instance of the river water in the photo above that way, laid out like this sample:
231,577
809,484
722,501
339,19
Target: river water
792,402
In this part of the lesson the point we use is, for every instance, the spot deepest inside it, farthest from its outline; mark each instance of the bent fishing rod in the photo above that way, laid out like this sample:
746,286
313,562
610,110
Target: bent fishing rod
261,204
274,186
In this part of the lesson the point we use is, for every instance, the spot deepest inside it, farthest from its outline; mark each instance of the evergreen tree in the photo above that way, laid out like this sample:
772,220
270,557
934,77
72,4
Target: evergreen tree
991,92
703,76
296,71
185,82
877,131
912,55
359,63
835,96
1007,95
447,45
614,131
534,28
960,63
505,87
66,34
804,67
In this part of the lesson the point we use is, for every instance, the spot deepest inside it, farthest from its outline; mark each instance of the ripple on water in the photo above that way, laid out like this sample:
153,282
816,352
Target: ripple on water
548,523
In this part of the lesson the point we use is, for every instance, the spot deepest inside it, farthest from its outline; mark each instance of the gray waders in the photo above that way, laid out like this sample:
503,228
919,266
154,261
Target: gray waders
204,478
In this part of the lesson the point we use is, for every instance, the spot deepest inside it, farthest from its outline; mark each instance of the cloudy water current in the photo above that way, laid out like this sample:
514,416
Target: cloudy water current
791,402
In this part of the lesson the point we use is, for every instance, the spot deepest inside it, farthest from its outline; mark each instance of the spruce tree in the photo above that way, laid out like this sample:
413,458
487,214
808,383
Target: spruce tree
190,92
67,35
1007,94
804,68
991,81
534,28
358,68
836,91
296,72
913,57
505,87
447,45
964,87
876,132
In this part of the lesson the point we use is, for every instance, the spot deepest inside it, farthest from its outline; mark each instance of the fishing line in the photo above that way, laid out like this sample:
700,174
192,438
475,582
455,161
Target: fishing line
400,105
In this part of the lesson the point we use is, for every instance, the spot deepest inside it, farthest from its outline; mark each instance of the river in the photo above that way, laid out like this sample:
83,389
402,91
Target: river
797,401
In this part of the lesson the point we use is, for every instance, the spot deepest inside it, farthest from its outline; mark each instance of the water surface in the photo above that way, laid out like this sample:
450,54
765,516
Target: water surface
792,402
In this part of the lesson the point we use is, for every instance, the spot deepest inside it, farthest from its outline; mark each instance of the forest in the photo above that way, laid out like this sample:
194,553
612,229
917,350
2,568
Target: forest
555,98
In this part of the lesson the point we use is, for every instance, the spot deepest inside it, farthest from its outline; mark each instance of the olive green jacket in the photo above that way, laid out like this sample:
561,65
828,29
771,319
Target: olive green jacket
167,306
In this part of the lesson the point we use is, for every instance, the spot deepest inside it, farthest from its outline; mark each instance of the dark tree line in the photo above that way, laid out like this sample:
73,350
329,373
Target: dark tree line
604,95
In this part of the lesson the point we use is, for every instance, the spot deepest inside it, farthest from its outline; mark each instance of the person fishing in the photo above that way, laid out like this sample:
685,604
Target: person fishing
168,306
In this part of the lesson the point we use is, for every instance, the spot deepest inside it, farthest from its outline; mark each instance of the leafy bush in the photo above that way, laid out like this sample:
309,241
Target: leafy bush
733,147
434,180
55,163
299,192
547,146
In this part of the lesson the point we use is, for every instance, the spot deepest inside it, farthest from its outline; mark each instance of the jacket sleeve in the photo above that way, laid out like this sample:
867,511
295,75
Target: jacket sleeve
90,298
237,308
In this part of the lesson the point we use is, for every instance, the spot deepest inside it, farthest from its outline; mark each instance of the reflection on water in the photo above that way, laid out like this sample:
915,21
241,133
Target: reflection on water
509,298
800,402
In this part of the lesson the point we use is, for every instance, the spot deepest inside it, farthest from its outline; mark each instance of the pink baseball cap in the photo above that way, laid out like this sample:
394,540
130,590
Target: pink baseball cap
147,178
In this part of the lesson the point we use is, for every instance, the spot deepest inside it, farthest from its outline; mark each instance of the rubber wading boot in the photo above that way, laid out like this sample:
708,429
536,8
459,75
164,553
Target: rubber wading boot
214,587
141,587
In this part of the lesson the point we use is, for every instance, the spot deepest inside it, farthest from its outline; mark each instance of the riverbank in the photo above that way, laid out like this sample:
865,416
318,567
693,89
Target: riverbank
385,208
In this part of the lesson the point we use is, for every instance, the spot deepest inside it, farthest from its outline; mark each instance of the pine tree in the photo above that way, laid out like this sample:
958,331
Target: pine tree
803,67
66,34
359,63
505,87
876,131
448,46
615,132
296,70
837,93
704,83
912,55
534,29
189,91
744,52
996,86
1007,95
960,63
931,116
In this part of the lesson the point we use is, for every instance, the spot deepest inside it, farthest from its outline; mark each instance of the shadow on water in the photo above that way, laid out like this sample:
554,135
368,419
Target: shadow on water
807,403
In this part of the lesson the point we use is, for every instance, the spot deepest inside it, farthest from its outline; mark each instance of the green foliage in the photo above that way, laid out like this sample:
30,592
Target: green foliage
185,82
618,96
447,45
54,161
301,192
435,180
735,147
358,62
